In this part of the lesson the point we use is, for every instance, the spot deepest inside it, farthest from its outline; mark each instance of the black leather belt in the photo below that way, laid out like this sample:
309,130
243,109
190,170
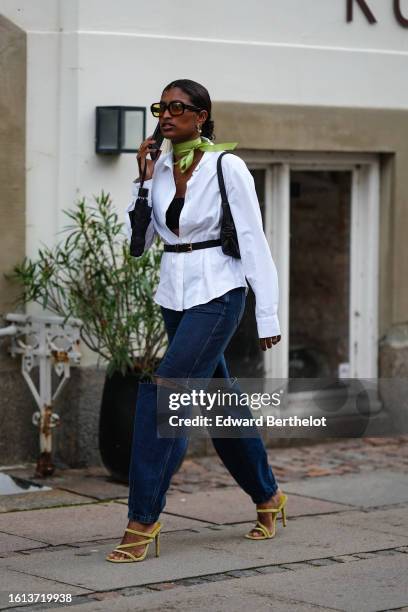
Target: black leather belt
186,247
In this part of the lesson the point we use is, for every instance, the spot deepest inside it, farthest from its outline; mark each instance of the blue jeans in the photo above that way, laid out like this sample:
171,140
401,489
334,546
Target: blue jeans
198,337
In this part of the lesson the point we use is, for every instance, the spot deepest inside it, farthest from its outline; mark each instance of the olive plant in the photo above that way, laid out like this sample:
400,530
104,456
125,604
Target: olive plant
90,275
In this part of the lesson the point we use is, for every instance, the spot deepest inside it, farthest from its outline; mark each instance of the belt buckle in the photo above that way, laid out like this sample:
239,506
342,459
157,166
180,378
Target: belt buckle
181,247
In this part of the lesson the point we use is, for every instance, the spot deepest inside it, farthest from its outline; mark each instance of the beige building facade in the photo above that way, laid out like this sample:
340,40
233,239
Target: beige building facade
319,106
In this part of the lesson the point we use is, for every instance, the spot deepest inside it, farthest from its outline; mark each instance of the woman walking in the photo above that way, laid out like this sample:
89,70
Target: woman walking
202,295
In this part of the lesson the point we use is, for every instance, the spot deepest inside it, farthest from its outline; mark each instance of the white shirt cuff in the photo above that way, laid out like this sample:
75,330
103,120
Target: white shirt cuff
268,326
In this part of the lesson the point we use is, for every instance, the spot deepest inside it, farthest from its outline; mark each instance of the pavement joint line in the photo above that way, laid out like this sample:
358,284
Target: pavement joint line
351,507
69,490
129,591
51,507
301,516
27,538
50,548
190,518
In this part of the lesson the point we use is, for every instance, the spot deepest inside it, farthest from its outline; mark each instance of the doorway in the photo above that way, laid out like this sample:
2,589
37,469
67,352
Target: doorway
319,279
321,218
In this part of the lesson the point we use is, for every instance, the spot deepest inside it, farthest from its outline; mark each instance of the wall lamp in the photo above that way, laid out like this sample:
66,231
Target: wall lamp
119,129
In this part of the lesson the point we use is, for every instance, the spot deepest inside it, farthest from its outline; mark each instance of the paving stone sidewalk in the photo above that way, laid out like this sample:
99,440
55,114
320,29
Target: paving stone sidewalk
345,546
336,457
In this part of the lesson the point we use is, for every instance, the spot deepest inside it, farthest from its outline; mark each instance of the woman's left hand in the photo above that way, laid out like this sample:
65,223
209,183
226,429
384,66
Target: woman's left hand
267,342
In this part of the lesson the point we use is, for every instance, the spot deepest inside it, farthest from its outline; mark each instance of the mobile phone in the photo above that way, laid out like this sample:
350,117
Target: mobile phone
158,137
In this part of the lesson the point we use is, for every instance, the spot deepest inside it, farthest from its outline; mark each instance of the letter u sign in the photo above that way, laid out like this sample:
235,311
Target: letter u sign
369,14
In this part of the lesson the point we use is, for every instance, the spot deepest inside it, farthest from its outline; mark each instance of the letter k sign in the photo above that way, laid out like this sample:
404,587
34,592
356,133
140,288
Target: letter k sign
364,7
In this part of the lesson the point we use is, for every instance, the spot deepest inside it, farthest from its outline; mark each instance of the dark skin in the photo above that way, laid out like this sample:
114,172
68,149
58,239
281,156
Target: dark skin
181,129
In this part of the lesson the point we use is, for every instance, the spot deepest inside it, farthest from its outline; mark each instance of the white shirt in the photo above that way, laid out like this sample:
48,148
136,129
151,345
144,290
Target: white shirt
196,277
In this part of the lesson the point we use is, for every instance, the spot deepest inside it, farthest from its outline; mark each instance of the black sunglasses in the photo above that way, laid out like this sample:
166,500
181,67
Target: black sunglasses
176,107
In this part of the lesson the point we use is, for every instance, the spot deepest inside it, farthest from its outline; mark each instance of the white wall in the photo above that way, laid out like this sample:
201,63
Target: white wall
85,53
321,22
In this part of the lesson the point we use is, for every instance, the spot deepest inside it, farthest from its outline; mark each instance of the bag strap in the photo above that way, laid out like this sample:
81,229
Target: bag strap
142,173
221,181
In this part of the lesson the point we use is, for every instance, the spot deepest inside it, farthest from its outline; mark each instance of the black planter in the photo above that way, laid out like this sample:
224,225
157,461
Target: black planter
116,423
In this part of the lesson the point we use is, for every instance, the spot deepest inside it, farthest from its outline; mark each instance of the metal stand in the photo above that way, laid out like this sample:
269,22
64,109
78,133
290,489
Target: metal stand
49,343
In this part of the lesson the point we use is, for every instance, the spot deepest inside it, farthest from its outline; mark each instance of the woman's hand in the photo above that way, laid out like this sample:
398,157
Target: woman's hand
144,149
267,342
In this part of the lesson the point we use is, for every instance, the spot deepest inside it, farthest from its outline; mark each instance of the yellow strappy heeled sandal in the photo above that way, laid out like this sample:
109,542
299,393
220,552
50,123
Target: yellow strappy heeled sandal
149,537
266,534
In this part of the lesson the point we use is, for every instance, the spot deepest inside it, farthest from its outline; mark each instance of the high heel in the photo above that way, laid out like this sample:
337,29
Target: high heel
284,517
149,537
157,544
266,534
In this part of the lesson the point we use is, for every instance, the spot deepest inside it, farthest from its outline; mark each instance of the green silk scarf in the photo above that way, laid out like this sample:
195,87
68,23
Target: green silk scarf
186,150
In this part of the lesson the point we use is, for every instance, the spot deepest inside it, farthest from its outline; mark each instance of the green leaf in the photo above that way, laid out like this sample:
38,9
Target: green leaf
91,275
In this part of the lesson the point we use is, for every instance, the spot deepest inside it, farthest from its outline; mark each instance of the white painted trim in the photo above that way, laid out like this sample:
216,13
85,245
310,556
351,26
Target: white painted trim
364,272
277,210
222,41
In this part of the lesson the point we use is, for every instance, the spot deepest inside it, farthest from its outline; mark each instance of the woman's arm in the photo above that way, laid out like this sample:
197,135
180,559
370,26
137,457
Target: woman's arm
257,261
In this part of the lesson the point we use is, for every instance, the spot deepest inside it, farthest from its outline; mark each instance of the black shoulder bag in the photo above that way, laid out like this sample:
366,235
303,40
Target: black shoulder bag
229,239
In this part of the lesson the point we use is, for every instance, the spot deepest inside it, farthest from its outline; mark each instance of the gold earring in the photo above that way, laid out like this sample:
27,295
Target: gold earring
199,130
